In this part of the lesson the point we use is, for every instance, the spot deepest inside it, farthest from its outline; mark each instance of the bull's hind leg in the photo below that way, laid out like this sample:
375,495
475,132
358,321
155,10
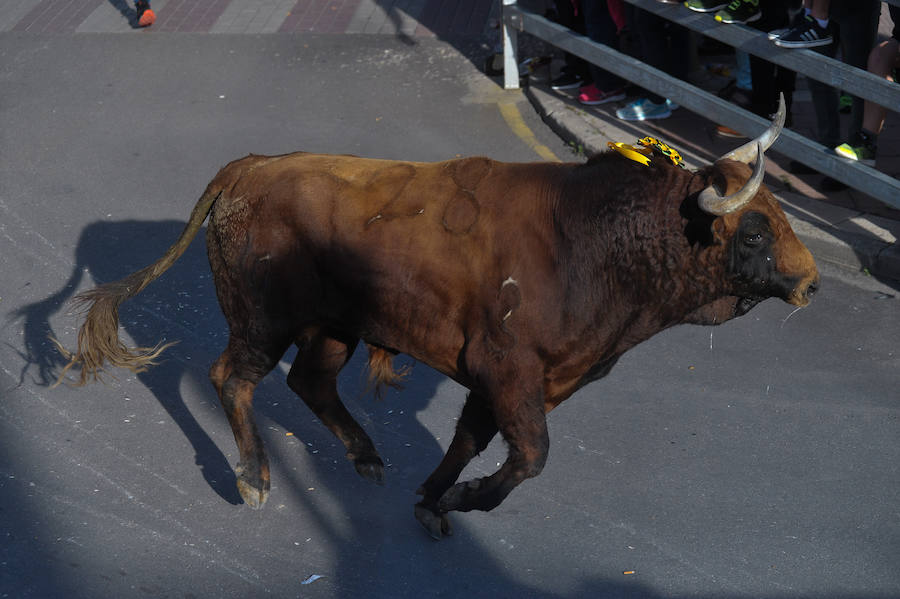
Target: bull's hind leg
235,375
313,377
474,430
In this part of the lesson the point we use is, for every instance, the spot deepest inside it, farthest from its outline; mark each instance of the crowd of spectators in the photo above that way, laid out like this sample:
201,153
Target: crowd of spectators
839,30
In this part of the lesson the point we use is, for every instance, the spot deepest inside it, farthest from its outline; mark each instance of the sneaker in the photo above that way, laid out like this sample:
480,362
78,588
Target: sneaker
145,16
795,21
644,109
740,12
845,104
672,105
705,5
729,132
859,149
567,81
591,95
809,34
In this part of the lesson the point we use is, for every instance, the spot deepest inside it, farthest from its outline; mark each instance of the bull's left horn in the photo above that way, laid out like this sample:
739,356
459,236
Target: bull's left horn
747,152
710,201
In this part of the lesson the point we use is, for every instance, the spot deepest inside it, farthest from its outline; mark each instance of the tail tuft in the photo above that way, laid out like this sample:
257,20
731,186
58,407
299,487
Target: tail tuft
98,338
381,371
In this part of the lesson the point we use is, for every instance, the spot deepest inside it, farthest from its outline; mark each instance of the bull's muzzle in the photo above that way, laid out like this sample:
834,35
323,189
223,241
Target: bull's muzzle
801,294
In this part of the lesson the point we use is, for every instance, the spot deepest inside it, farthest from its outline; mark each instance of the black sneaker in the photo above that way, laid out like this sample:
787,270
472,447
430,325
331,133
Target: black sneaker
567,81
809,34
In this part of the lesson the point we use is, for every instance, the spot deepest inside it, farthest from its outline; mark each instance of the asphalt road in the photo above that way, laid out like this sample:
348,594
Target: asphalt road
755,459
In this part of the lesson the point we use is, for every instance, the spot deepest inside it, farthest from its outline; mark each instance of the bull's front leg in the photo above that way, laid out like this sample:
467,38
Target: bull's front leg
474,430
519,416
523,424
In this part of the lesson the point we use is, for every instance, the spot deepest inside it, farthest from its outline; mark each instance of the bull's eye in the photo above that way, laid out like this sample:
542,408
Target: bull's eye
753,238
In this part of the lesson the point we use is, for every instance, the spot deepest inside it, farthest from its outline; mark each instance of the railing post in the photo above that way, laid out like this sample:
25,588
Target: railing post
510,49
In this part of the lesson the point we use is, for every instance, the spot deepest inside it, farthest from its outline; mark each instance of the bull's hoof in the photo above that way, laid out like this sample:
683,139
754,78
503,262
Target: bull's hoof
254,490
460,497
252,496
436,525
370,468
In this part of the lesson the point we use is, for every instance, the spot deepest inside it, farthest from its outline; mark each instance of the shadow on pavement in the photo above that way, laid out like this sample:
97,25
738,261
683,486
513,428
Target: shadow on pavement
374,544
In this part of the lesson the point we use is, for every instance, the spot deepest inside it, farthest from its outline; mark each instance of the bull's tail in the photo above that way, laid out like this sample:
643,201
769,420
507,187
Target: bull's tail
381,371
98,338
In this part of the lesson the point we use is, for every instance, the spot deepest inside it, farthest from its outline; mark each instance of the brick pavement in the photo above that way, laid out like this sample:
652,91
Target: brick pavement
414,18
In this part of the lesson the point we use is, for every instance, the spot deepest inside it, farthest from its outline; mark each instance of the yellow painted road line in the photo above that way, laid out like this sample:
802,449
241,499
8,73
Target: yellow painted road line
516,123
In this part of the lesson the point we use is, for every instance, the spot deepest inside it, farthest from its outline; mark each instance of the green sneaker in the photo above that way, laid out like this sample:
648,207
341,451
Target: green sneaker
858,149
740,12
845,103
705,5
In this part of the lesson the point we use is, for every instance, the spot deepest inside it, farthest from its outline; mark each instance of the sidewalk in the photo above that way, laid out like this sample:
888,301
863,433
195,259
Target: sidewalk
842,227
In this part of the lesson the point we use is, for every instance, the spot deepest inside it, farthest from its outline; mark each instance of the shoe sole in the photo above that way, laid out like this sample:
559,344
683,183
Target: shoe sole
752,19
567,86
645,117
711,9
853,157
814,44
615,98
735,135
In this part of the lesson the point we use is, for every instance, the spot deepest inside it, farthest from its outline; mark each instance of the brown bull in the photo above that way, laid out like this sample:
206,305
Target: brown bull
523,282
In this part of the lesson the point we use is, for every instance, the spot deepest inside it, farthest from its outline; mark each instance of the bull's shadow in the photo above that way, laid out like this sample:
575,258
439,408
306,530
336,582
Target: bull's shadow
182,306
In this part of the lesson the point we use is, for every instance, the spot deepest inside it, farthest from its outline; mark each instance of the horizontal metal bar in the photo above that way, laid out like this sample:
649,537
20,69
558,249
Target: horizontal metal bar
807,62
794,145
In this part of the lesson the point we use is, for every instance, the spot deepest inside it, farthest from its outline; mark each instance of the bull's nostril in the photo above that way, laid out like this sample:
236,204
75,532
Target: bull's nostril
813,287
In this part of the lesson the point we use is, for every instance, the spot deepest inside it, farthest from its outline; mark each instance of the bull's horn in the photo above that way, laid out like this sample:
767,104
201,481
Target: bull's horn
710,201
747,152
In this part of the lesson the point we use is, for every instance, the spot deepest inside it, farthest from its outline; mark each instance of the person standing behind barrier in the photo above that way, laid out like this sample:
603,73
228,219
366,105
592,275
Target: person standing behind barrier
884,58
600,27
856,28
662,44
768,79
575,73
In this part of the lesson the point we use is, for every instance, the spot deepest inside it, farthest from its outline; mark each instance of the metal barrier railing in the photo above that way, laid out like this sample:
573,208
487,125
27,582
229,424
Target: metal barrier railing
866,85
